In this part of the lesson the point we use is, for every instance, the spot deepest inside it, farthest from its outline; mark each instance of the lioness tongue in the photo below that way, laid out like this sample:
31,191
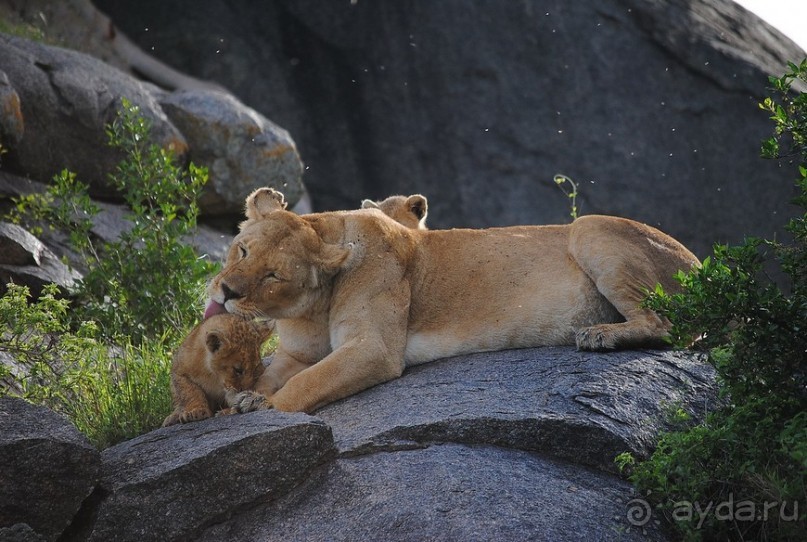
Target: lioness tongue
213,308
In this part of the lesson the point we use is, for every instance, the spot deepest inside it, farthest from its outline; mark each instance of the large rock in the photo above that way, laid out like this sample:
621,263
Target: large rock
650,105
581,407
512,445
48,469
448,493
238,145
55,105
503,445
25,260
66,100
171,483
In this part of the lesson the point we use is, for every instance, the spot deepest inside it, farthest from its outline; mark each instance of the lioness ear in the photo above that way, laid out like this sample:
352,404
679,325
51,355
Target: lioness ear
419,205
263,202
369,204
332,257
214,341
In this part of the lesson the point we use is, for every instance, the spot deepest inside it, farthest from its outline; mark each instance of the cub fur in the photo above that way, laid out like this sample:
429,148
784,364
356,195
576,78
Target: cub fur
410,211
358,297
219,357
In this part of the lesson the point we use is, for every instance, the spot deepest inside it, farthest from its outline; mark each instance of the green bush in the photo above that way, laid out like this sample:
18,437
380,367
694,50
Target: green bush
749,455
103,357
110,393
148,283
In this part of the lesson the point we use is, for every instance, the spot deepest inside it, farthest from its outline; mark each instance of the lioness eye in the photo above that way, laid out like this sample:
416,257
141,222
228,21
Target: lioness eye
242,251
271,276
238,370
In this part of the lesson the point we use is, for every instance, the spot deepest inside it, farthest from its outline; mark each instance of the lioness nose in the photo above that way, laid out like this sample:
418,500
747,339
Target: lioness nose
229,293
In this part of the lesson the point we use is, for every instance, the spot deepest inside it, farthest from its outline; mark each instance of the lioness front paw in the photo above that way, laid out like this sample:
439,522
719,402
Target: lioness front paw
229,411
249,401
595,339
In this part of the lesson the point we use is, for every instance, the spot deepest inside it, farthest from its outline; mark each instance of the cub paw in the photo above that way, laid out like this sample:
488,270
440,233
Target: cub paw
172,419
195,415
595,339
226,412
249,401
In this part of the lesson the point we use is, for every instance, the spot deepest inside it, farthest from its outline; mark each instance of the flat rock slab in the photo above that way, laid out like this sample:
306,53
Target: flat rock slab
447,492
172,482
581,406
47,469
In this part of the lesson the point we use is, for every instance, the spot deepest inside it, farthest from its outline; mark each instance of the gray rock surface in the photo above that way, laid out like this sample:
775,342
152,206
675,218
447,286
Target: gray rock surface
650,105
48,469
447,492
67,98
512,445
25,260
55,105
239,147
18,247
578,406
170,483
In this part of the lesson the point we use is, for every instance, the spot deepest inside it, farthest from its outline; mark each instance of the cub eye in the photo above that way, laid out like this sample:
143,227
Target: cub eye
242,251
238,370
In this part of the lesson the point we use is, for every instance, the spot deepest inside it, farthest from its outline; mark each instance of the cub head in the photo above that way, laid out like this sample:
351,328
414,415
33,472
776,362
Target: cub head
410,211
231,349
276,266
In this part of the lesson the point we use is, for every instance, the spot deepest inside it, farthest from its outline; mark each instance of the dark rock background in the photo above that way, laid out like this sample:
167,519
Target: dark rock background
650,105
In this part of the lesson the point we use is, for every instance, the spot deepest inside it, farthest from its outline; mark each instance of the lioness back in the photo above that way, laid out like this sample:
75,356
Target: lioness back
466,297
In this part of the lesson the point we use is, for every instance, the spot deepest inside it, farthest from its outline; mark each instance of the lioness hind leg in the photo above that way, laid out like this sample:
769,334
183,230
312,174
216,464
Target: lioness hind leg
641,331
625,288
625,260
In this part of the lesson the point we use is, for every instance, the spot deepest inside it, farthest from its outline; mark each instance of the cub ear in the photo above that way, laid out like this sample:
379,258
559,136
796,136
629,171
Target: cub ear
369,204
419,205
264,201
214,341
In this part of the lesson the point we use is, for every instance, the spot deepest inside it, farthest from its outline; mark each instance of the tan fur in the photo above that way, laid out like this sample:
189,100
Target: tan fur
410,211
359,297
219,357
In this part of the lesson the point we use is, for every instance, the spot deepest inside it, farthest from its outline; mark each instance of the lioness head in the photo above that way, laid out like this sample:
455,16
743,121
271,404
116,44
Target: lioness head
409,211
275,265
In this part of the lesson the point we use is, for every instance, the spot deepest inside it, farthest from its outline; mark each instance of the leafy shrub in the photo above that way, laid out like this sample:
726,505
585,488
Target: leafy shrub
103,358
109,393
148,282
752,452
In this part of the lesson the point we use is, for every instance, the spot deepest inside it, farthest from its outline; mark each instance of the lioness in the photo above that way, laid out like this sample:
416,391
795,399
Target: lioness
358,296
220,357
410,211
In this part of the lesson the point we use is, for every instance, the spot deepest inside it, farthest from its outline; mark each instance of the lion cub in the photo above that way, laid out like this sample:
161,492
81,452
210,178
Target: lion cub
219,358
409,211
